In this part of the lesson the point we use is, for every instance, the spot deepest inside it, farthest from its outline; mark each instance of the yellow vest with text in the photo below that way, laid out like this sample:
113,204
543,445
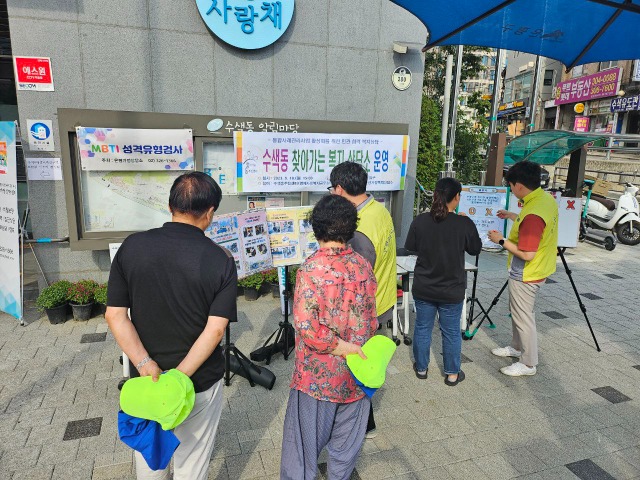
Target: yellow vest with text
375,222
543,264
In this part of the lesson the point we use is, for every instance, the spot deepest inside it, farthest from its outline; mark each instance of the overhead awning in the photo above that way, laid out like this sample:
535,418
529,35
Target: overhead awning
546,147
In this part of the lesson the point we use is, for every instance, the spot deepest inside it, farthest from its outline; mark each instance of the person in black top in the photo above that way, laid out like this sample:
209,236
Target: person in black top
440,238
180,290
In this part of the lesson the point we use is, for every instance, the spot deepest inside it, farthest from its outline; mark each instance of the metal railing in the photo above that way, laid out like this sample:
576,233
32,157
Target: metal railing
617,178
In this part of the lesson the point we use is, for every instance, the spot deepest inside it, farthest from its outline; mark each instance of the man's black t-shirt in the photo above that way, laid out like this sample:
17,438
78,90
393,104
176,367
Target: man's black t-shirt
439,275
172,279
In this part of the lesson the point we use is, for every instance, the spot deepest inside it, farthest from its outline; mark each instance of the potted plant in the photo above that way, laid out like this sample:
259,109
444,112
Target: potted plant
100,297
251,285
270,277
81,298
53,301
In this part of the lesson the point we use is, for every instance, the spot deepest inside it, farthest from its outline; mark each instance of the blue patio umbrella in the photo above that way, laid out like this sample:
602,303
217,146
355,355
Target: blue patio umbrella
572,31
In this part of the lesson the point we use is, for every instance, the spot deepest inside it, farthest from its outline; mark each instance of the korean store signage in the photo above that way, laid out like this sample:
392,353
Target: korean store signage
625,104
295,162
127,149
247,24
581,124
590,87
33,73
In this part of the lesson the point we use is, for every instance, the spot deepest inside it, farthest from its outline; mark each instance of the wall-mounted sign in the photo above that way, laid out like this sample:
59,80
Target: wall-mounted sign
44,169
302,162
401,78
128,149
33,73
578,108
581,124
247,24
40,135
510,108
590,87
625,104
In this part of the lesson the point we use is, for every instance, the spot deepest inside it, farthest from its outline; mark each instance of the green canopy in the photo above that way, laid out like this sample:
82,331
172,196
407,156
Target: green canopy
547,147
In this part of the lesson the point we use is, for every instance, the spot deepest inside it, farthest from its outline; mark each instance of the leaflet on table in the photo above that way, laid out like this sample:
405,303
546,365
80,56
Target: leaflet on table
291,235
245,236
481,205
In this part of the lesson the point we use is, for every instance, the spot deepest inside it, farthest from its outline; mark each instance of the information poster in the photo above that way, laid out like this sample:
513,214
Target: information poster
10,288
481,205
245,236
45,168
569,213
291,235
134,149
281,162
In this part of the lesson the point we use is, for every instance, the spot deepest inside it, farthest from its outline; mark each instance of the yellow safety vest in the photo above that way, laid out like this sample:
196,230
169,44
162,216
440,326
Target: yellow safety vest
375,222
543,264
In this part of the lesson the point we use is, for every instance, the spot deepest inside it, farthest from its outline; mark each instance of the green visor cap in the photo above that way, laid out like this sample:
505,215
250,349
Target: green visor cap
168,401
371,372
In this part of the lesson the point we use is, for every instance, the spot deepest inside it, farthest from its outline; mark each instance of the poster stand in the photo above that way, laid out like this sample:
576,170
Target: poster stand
472,303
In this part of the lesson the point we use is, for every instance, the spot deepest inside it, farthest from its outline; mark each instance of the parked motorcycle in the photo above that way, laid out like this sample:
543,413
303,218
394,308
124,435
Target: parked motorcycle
621,217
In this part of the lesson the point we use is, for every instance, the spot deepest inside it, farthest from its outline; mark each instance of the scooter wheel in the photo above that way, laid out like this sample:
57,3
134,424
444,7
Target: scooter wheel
609,244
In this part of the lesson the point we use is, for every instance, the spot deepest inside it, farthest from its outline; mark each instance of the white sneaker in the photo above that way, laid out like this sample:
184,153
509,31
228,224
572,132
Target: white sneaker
518,369
371,434
506,352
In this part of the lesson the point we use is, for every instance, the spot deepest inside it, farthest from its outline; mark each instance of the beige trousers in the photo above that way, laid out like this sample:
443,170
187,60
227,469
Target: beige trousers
522,298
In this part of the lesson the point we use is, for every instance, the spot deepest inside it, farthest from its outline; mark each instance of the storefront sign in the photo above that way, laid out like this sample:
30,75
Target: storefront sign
33,73
509,108
295,162
581,124
40,135
625,104
10,292
578,108
590,87
247,24
128,149
401,78
44,169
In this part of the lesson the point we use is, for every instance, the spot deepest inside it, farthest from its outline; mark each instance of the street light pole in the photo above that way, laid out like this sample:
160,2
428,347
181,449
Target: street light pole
454,116
447,102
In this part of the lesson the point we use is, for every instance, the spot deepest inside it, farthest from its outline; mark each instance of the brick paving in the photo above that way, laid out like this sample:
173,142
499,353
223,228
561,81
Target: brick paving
577,418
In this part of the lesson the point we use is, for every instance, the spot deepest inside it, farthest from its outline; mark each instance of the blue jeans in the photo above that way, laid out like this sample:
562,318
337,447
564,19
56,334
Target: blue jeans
449,319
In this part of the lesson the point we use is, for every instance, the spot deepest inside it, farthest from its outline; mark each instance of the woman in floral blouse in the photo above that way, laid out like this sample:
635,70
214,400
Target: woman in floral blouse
334,311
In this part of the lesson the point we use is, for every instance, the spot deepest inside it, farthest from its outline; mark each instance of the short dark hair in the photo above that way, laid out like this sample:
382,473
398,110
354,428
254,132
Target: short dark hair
194,193
351,176
334,219
526,173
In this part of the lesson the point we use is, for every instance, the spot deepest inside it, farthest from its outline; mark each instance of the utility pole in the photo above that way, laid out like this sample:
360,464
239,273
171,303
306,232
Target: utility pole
497,87
454,116
447,102
533,102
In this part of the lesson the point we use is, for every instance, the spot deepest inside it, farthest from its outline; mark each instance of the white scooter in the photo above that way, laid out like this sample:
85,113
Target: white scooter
622,217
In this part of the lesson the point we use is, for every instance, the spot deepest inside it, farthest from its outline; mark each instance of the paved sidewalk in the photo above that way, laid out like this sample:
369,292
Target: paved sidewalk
580,413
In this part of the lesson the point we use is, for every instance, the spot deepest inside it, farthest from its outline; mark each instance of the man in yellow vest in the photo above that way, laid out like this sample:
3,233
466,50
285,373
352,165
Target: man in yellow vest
532,245
375,240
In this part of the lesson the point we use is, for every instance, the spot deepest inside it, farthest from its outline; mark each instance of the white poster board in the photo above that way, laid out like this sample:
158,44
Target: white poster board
10,285
481,205
39,169
302,162
569,213
291,235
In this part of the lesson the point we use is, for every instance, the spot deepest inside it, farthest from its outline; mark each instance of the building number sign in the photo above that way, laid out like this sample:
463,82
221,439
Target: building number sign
401,78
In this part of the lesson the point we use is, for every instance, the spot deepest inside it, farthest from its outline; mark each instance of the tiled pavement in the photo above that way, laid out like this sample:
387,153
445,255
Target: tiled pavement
579,417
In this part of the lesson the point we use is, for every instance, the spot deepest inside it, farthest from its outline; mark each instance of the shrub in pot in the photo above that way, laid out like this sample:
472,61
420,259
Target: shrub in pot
251,285
53,301
270,277
81,298
100,298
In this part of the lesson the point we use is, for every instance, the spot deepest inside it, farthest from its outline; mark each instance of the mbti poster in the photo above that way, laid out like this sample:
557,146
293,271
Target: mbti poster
10,291
302,162
481,205
291,235
245,236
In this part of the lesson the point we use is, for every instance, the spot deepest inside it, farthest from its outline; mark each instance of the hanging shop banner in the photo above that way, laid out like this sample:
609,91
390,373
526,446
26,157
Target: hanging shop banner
33,73
581,124
481,205
40,135
590,87
569,213
245,236
291,235
129,149
285,162
10,291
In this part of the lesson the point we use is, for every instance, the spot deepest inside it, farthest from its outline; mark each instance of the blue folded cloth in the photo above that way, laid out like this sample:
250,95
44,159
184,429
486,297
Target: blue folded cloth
368,391
147,437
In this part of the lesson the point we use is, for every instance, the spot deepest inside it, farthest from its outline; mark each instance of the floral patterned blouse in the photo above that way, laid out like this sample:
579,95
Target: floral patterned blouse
334,298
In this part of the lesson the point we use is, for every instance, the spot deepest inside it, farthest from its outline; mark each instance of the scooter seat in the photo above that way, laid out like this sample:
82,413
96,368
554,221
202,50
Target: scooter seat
608,204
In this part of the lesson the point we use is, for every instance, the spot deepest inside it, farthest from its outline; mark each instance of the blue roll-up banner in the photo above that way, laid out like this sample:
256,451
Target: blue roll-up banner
10,289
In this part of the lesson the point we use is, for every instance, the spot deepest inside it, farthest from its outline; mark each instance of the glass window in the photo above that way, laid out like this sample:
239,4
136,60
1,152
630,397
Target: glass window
548,78
576,71
611,64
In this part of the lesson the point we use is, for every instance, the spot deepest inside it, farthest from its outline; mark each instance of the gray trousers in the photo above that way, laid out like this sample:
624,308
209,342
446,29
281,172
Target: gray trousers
310,425
522,298
197,436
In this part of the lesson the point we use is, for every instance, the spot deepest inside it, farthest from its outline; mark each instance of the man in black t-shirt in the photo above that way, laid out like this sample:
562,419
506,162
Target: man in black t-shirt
180,290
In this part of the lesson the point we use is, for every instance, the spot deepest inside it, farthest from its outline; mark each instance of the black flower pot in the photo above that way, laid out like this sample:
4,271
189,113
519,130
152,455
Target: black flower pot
82,312
251,294
57,314
99,309
240,291
275,290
